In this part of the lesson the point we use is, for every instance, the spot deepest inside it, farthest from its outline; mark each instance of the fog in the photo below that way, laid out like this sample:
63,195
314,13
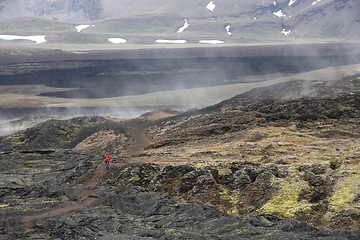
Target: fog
125,77
193,72
107,75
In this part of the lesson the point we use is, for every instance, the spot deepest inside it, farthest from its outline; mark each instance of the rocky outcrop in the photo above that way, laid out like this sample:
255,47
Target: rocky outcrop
133,213
43,187
64,134
41,174
310,193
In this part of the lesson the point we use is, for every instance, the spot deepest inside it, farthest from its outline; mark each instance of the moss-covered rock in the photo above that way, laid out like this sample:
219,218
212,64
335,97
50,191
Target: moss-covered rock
54,134
135,175
312,192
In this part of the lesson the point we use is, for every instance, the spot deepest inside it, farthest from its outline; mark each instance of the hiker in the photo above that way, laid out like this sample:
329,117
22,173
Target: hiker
107,163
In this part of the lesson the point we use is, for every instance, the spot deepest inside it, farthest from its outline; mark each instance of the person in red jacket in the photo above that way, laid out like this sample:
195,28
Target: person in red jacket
107,163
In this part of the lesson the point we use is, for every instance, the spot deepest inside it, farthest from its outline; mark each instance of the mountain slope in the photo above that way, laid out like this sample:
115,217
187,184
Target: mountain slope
290,150
247,20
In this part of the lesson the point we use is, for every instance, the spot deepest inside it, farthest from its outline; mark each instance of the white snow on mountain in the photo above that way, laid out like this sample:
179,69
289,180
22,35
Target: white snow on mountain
37,39
292,2
211,6
186,25
228,30
286,33
279,14
317,1
170,41
79,28
117,40
211,42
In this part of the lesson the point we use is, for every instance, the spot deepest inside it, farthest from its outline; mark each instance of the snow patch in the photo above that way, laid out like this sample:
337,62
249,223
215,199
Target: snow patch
228,30
37,39
170,41
317,1
211,42
211,6
292,2
79,28
186,25
286,33
279,14
117,40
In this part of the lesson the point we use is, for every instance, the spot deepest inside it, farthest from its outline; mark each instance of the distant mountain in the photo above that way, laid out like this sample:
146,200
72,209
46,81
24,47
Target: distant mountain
243,20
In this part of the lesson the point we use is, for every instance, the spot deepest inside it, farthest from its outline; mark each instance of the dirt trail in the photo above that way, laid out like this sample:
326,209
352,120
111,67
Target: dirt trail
29,222
137,131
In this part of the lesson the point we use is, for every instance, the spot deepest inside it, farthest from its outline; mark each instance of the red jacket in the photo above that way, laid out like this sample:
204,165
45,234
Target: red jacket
108,159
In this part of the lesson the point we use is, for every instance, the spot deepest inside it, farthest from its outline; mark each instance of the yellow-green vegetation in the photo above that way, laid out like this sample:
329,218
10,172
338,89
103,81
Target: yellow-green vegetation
45,164
16,139
205,163
230,200
347,190
141,177
288,203
50,202
135,179
32,154
68,131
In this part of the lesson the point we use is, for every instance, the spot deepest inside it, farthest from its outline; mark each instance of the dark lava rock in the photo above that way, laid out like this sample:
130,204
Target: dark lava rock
37,175
135,174
31,175
55,134
168,179
133,213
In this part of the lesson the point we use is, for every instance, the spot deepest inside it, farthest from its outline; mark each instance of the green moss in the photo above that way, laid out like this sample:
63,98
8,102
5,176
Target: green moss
346,194
50,201
230,200
16,139
44,163
334,164
203,164
288,202
135,180
33,154
142,175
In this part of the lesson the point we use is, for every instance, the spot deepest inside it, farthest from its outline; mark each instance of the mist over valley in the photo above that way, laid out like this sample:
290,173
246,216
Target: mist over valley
150,119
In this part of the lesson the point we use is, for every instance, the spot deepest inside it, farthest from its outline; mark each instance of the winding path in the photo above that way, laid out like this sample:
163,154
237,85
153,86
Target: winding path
137,131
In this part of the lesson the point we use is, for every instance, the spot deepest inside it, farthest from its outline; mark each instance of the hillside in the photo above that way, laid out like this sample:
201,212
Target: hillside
279,161
145,21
